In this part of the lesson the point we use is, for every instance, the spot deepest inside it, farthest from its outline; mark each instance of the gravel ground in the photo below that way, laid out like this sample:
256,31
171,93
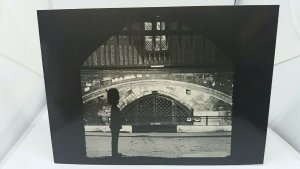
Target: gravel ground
161,144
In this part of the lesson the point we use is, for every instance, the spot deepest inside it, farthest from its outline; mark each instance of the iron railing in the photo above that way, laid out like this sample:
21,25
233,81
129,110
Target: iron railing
164,120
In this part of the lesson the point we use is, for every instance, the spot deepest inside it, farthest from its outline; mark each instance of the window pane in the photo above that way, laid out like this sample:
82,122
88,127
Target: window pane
164,43
157,25
163,26
157,43
148,43
148,26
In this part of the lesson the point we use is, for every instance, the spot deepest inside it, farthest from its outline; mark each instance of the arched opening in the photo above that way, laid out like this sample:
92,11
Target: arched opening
191,75
156,112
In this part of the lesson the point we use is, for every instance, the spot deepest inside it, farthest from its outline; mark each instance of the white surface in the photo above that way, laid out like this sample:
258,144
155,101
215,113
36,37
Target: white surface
21,98
65,4
19,32
34,152
285,102
22,93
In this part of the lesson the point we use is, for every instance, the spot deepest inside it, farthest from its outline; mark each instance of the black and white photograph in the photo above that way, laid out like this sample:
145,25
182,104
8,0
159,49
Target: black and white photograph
159,85
143,96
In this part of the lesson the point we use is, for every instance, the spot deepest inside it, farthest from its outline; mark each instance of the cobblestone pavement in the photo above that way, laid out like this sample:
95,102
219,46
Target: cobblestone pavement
168,145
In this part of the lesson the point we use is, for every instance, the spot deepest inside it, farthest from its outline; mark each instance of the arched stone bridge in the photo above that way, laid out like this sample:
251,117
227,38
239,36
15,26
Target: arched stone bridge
189,94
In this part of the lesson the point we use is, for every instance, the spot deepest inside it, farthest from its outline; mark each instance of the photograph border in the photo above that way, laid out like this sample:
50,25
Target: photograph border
247,33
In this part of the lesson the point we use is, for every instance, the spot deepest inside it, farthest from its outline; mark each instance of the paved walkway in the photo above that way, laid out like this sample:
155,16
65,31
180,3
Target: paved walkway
168,145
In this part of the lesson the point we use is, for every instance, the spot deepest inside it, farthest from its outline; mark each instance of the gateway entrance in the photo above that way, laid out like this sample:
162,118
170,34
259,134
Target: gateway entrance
156,113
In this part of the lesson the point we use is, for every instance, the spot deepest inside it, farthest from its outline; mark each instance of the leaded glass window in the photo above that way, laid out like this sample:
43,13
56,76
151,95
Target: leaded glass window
148,43
148,26
158,42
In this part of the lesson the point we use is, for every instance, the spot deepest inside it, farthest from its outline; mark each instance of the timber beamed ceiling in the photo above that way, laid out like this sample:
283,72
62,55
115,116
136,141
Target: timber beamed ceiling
157,42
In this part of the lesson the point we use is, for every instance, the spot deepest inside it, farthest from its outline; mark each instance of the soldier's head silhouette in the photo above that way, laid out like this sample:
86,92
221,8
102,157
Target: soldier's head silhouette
113,96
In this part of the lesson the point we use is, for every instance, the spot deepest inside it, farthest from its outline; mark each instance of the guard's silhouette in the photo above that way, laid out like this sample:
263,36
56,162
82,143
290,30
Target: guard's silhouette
115,119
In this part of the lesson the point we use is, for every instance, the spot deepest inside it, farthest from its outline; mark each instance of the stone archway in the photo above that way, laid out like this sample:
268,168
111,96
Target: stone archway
133,90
